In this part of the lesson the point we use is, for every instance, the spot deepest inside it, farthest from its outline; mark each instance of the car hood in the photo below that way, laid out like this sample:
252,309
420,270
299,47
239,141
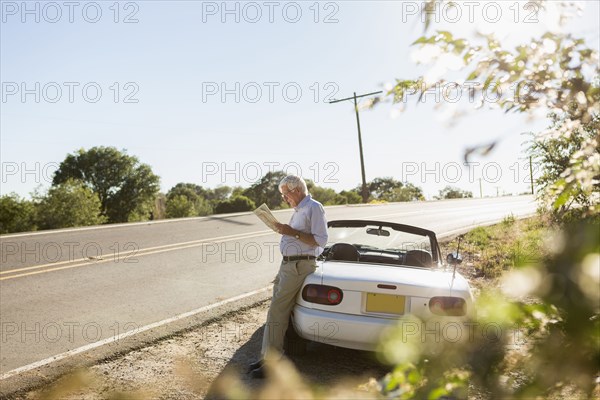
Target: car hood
409,281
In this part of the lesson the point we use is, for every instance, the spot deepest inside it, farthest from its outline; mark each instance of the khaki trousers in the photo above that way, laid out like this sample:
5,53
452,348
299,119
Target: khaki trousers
288,283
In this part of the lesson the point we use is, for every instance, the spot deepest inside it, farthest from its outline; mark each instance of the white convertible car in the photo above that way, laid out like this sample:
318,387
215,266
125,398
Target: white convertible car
370,275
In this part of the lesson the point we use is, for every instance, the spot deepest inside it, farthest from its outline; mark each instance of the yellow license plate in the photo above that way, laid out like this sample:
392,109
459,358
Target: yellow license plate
385,303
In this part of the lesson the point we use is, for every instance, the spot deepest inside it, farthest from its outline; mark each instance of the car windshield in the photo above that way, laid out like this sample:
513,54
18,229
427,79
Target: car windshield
378,238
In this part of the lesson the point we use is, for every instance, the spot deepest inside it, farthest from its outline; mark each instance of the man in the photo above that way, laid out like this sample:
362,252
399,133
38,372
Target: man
302,241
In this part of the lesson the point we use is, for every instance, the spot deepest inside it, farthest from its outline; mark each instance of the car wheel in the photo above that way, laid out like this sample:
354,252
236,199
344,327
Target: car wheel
293,344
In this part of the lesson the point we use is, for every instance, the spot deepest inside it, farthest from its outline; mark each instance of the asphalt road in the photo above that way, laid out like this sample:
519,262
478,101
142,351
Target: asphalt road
61,290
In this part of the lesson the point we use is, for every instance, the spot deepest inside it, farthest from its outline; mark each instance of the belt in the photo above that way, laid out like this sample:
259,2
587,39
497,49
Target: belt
297,258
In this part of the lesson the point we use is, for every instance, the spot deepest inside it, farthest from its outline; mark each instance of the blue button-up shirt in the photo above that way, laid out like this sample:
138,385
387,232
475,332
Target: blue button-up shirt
308,217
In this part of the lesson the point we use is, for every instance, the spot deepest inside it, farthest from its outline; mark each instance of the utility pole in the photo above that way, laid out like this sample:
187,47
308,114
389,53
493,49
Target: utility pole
480,190
365,192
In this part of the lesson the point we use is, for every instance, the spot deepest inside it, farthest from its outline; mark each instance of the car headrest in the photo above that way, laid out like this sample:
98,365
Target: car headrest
419,258
343,252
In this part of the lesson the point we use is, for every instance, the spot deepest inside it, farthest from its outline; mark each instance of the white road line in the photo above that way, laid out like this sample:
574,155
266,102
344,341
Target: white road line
124,335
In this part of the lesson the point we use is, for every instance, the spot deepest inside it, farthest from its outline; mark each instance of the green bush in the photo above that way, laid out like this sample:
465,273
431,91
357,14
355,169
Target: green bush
69,204
450,192
350,197
235,204
479,236
188,200
180,207
16,214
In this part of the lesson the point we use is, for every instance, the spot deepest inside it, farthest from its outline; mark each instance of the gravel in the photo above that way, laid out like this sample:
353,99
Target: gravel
195,364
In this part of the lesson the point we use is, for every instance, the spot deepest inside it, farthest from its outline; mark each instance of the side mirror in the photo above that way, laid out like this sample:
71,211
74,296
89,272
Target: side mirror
454,258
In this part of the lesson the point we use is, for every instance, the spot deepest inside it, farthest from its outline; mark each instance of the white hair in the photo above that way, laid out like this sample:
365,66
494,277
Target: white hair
292,182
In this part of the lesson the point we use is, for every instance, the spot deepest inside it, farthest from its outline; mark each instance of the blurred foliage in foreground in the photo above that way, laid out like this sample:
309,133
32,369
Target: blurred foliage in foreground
555,74
550,305
537,333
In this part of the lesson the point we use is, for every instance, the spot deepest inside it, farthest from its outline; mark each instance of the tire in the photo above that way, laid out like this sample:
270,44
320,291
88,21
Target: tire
293,344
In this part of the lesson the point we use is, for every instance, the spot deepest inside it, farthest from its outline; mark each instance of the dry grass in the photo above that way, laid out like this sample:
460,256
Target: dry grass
490,251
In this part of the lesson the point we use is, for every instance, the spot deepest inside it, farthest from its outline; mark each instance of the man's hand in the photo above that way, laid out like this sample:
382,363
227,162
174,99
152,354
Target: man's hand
285,229
307,238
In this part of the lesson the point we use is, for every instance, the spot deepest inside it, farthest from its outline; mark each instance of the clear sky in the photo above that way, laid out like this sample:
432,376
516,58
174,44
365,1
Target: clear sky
220,93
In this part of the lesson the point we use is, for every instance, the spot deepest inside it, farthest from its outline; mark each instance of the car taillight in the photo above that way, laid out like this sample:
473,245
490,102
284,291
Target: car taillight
452,306
322,294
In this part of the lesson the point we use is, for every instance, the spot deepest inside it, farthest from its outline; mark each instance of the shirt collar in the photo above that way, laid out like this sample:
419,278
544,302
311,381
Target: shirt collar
304,202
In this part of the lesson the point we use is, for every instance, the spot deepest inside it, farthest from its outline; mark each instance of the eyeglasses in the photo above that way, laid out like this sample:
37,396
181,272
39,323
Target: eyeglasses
284,195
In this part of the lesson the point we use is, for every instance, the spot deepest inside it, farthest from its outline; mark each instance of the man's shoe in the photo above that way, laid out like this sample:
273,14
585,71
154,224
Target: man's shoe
255,365
258,373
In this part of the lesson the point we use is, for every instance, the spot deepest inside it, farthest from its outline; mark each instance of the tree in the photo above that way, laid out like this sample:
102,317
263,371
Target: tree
218,194
16,214
389,189
69,204
554,154
407,192
350,197
237,191
450,192
380,187
325,196
195,196
160,207
235,204
180,207
267,190
189,190
126,188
